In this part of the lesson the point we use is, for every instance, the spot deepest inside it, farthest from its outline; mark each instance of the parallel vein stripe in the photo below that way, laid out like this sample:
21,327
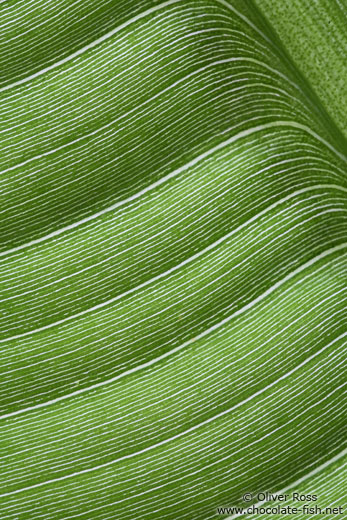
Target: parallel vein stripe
249,305
118,29
175,173
91,45
189,430
181,264
172,269
296,483
146,102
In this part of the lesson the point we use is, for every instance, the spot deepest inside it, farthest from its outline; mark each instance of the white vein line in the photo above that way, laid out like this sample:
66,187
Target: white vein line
119,28
69,433
84,137
144,58
92,44
189,430
164,456
33,288
176,267
185,344
174,173
293,485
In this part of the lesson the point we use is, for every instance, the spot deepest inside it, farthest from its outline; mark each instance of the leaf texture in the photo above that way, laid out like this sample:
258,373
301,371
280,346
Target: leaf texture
173,256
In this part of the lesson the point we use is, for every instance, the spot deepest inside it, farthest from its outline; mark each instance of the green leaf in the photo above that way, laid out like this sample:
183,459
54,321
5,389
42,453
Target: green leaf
172,257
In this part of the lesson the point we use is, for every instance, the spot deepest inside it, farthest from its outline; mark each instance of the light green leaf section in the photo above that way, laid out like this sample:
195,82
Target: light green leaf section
173,256
326,482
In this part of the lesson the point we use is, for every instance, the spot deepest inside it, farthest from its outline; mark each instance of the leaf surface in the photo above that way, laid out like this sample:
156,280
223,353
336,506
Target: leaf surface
172,256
